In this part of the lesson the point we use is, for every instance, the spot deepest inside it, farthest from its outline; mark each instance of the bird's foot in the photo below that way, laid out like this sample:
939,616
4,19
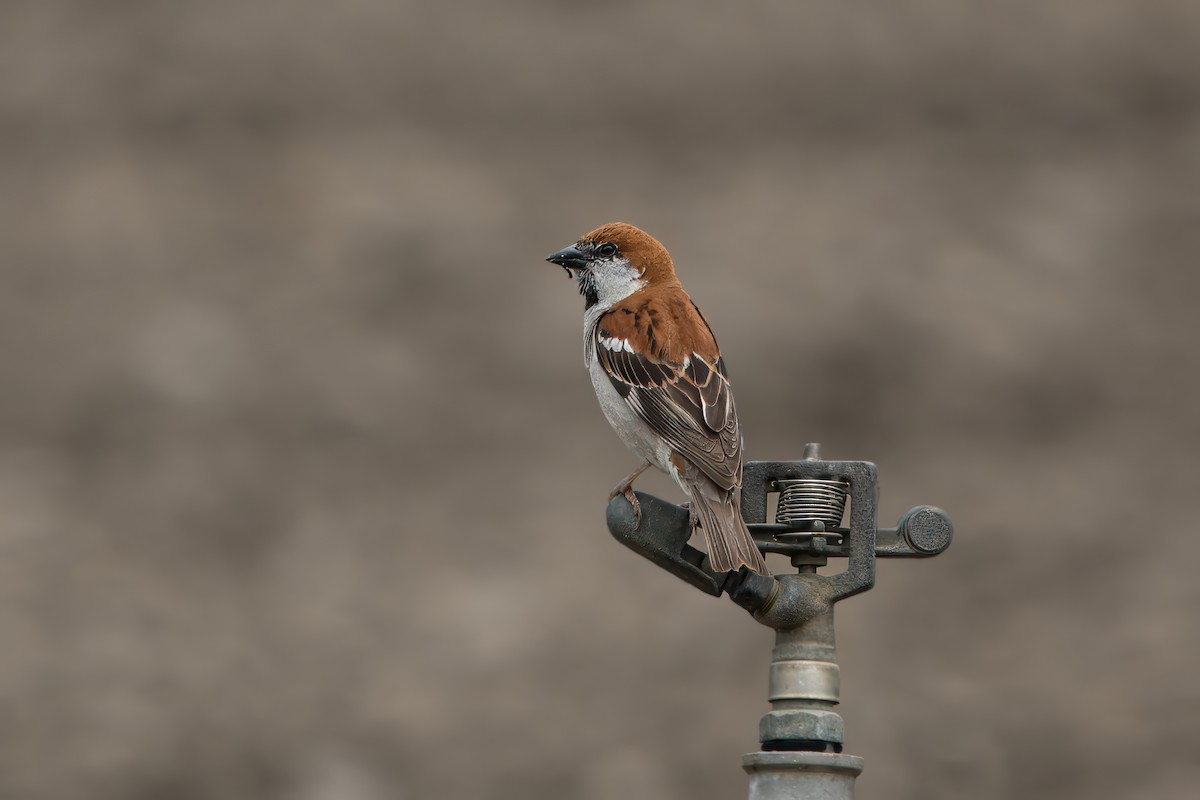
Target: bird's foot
635,503
625,487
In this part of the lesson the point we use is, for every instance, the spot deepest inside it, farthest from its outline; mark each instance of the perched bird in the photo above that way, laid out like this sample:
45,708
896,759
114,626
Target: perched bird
661,381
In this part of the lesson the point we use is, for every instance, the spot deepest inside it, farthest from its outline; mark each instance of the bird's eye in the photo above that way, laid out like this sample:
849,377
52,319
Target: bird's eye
608,249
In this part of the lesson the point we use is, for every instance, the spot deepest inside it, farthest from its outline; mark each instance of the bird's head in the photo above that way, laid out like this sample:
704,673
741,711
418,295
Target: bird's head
614,261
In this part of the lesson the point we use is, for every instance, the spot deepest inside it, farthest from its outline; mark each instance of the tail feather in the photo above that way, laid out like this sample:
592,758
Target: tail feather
730,545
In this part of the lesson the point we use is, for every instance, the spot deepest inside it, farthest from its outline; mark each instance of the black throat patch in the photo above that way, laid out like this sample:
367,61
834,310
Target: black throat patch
587,288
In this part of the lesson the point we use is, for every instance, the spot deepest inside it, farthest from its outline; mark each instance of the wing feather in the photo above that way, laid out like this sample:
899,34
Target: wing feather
685,399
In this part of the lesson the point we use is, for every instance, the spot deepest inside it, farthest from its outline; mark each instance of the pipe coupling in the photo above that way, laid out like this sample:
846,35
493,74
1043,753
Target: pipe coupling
805,680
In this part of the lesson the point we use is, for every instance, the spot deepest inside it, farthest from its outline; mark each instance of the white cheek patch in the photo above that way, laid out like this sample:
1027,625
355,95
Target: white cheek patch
615,280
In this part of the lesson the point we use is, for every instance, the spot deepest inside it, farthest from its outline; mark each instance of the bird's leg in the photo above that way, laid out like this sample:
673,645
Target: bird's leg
625,487
693,521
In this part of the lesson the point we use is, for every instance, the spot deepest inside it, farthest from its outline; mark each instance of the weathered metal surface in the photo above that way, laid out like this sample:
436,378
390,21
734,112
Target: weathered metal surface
662,536
804,679
858,543
927,530
818,730
801,776
802,736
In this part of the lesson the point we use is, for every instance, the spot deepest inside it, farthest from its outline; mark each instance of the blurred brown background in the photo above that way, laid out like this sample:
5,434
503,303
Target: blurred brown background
302,481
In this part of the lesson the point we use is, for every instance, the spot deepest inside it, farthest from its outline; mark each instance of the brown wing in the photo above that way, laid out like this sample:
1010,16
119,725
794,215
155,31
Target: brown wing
677,384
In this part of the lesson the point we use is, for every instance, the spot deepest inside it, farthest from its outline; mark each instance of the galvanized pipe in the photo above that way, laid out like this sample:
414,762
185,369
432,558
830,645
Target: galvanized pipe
804,684
802,734
801,776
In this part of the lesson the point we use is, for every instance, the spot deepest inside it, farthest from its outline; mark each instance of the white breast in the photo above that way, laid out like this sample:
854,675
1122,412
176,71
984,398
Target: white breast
614,281
636,434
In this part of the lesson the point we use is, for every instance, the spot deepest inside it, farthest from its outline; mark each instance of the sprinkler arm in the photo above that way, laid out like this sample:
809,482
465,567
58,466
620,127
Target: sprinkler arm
662,536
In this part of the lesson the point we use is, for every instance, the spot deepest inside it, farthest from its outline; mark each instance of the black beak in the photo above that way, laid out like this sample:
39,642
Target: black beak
570,257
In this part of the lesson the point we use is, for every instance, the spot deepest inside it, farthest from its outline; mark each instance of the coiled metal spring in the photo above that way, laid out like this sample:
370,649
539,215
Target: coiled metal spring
805,501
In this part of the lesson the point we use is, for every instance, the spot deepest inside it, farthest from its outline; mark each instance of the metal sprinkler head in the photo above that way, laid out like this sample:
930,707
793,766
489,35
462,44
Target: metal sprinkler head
802,736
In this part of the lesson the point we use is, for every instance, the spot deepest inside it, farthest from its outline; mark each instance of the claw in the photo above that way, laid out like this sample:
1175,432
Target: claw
625,487
636,504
